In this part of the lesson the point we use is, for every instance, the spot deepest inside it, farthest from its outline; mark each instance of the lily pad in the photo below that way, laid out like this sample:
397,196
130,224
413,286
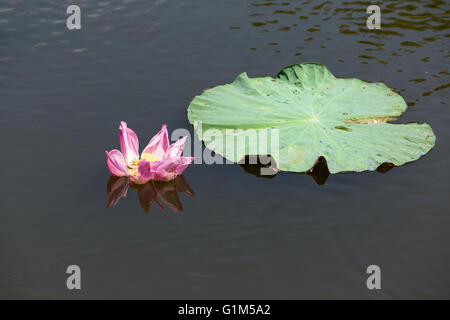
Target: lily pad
316,114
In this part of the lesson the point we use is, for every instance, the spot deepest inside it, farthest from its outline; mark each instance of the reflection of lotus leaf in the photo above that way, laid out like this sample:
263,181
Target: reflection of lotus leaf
317,114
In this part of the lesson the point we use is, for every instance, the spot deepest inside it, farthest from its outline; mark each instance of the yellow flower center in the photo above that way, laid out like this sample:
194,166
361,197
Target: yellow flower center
149,157
135,163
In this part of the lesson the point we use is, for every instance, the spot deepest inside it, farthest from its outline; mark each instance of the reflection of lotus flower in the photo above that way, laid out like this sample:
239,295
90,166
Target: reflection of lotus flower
158,161
147,193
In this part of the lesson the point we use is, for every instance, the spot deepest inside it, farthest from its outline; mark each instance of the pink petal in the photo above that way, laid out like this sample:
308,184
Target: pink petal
144,170
183,163
129,143
116,163
176,149
169,168
159,144
166,169
144,174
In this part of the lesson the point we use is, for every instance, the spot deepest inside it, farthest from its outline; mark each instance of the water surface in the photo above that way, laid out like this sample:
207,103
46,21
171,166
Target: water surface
63,94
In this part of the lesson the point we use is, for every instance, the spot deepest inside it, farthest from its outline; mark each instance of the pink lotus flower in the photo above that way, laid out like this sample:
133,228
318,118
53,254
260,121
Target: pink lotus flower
159,160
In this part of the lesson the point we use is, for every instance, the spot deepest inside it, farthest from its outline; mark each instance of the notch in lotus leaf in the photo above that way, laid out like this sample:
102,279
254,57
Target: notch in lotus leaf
345,121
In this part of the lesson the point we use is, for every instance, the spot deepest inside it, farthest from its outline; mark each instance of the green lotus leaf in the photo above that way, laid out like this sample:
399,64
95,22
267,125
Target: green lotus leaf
316,114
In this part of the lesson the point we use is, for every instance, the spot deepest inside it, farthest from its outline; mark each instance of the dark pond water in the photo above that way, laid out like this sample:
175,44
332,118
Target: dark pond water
63,94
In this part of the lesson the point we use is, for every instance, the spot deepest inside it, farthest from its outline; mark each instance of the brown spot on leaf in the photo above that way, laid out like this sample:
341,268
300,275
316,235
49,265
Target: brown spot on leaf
370,120
343,128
